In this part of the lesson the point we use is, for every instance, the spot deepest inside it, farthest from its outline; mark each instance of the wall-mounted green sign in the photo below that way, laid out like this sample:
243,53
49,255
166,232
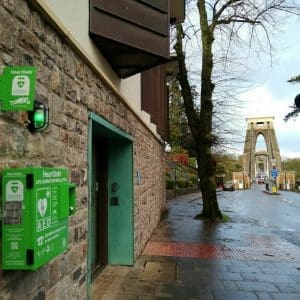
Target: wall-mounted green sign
36,204
17,86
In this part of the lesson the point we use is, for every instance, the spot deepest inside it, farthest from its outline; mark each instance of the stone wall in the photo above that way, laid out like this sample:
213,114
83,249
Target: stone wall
170,194
71,89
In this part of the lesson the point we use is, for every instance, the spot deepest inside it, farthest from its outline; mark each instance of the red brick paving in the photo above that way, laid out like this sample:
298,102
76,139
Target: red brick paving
212,251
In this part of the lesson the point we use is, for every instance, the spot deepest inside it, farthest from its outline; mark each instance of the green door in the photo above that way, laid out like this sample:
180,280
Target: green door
120,212
110,173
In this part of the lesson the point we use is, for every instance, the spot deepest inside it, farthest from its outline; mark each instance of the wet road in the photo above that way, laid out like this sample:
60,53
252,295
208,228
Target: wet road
280,213
254,217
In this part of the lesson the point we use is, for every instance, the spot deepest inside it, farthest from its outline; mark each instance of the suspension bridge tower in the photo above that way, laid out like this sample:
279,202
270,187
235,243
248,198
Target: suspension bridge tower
260,160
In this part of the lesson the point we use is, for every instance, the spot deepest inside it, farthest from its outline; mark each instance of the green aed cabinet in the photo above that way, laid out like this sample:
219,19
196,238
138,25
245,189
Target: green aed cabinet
36,204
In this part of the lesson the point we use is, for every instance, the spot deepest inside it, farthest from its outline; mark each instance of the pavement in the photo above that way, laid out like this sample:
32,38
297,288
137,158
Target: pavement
190,259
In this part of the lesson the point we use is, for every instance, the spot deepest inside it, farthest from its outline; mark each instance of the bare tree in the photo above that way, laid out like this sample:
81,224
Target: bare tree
227,26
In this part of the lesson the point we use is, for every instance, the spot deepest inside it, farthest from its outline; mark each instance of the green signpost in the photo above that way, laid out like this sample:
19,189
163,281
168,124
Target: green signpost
17,86
36,204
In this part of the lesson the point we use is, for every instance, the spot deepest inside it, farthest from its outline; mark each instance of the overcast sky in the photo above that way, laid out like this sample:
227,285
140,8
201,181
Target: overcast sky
273,94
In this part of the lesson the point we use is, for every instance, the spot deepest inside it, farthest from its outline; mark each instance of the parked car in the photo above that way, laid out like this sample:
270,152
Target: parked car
228,186
261,180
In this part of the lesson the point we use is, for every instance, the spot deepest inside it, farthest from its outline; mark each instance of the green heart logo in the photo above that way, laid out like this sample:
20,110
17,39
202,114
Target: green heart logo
14,189
21,83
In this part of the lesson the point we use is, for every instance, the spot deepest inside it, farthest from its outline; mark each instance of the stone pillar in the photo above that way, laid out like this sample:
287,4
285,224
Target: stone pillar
252,156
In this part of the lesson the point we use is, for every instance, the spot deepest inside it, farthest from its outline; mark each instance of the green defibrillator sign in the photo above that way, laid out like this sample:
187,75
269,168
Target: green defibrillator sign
36,204
17,86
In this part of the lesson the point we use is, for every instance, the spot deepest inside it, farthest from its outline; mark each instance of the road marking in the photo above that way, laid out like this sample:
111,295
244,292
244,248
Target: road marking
284,199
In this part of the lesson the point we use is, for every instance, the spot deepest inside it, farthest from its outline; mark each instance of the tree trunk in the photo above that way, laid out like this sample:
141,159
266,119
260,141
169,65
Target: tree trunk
201,127
206,161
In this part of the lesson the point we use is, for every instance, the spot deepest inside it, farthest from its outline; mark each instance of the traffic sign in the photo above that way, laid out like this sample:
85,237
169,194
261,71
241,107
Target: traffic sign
274,173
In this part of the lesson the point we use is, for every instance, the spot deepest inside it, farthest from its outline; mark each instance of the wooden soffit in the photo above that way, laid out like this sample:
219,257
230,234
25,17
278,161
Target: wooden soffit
133,35
177,11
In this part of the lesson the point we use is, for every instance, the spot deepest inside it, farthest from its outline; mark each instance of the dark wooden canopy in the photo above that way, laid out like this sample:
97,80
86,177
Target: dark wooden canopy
133,35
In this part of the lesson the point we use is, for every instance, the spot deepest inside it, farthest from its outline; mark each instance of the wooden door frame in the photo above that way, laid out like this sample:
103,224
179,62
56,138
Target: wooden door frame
101,206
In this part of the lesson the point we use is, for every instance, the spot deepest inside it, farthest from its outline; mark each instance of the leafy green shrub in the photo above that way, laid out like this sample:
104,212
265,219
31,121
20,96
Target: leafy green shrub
170,184
192,184
192,162
178,149
180,184
194,179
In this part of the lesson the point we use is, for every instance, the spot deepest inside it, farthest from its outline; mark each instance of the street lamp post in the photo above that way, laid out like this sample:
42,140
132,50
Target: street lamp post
285,185
175,181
